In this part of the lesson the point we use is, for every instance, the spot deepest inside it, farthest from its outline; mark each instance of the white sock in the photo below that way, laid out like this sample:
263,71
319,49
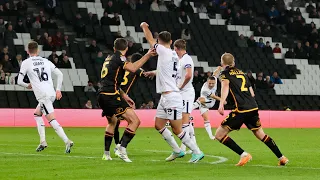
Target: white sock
244,154
186,140
196,104
59,130
167,135
107,153
185,127
207,125
191,132
41,128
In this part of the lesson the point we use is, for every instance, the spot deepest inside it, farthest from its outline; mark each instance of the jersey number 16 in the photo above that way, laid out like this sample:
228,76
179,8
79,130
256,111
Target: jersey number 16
43,76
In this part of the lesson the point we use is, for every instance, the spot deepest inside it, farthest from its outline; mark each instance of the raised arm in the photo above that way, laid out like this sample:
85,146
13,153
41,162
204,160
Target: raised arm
147,33
133,67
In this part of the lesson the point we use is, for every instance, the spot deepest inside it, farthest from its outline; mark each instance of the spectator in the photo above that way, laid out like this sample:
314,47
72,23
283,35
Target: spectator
2,11
44,22
261,83
105,20
53,55
202,8
89,87
251,79
36,24
110,9
150,105
143,106
184,18
51,6
99,59
10,11
310,7
63,54
131,48
65,63
52,24
2,77
186,7
5,51
88,105
277,49
300,52
41,14
38,39
142,6
133,5
66,41
57,39
79,25
290,53
307,48
185,34
2,27
251,42
154,6
115,20
260,44
22,6
171,6
128,37
315,52
10,34
241,41
269,82
238,19
273,13
258,31
267,49
126,5
16,63
275,78
162,6
268,32
93,48
29,22
7,66
56,62
48,45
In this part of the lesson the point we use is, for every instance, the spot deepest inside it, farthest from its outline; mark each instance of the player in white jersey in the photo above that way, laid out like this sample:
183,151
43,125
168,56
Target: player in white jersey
39,71
185,77
170,105
207,100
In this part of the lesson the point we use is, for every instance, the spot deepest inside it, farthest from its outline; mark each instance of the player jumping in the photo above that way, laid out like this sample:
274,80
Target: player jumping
39,71
115,102
245,111
186,69
170,105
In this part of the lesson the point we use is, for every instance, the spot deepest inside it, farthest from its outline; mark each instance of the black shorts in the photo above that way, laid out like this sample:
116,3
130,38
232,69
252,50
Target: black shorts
235,120
112,105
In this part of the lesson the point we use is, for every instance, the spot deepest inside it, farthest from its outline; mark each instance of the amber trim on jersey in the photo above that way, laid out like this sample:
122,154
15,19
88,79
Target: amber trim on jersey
116,80
236,103
114,93
234,98
134,78
125,63
141,73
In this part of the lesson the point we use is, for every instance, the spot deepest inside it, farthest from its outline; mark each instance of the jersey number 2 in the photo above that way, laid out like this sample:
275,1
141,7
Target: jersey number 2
43,76
243,84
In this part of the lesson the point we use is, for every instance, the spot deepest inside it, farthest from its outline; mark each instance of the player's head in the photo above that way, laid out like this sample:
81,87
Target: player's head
180,46
120,44
135,57
165,38
33,48
227,59
211,81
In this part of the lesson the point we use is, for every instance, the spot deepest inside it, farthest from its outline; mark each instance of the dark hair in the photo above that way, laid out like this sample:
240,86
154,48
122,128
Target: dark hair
33,47
120,44
135,57
180,44
165,36
211,78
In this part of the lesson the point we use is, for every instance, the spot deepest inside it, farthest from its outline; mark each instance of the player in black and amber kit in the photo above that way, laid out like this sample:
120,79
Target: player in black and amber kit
115,102
245,111
128,80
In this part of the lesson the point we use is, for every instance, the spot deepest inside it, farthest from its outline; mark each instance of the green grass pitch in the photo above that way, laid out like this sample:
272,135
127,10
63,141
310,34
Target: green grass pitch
148,151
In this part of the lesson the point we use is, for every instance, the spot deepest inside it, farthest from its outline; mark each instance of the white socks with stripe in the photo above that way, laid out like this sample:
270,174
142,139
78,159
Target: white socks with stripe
186,140
59,130
185,127
191,132
207,126
167,135
41,127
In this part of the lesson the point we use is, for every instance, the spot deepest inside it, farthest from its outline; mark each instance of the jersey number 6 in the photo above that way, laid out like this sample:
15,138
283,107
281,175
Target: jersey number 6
43,76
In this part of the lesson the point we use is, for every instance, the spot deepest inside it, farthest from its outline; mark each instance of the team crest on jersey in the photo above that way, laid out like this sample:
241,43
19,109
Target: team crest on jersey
119,110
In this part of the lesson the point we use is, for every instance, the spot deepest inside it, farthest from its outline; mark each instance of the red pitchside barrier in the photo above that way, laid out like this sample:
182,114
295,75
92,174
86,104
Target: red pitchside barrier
92,118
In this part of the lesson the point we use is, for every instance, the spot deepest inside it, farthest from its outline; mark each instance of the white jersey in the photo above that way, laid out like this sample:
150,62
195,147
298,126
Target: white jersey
167,69
39,72
184,63
206,92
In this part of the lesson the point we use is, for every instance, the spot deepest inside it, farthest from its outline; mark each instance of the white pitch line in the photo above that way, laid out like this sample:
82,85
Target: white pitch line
48,155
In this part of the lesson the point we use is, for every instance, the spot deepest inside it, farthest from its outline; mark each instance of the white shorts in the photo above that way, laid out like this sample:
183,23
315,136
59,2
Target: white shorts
46,105
187,99
205,107
170,106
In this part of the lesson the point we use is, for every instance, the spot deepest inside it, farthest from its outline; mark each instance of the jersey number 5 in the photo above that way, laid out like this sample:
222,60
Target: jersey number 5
243,84
43,76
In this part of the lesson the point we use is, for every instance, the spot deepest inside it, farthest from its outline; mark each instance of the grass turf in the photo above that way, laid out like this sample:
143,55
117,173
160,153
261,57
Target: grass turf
148,151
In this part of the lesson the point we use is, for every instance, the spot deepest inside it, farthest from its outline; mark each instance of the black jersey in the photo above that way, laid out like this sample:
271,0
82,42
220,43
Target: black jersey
129,78
239,90
112,74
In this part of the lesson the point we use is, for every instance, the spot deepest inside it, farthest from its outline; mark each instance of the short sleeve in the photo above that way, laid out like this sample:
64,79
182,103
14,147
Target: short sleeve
188,63
159,48
223,75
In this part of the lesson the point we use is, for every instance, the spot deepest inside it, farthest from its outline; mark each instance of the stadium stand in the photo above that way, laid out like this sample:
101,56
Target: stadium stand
213,32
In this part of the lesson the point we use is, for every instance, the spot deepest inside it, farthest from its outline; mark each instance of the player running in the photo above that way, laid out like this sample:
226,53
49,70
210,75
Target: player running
206,101
245,111
170,105
127,82
39,71
186,69
115,102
